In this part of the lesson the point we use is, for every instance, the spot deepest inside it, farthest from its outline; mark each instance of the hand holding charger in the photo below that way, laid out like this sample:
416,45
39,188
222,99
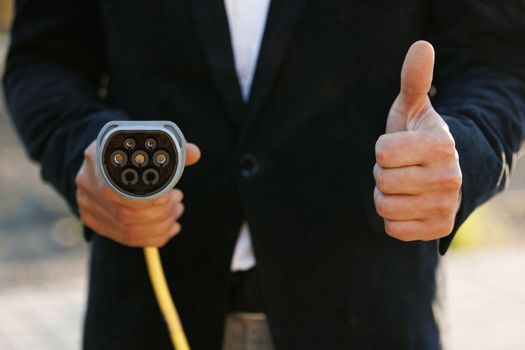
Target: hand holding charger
125,191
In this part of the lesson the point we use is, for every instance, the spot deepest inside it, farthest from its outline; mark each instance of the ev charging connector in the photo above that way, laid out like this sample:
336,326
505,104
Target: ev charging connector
142,160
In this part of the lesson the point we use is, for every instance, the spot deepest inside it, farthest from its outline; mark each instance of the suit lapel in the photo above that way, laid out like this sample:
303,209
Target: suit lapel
282,20
212,26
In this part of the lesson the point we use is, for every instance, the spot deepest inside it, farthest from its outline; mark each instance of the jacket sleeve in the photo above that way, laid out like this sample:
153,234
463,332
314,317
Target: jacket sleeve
52,78
480,84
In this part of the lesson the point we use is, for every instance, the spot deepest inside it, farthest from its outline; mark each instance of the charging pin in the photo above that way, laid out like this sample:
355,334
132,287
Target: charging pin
161,158
129,143
118,159
139,158
151,143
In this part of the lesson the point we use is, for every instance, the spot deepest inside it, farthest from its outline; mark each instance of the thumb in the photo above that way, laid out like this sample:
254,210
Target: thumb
416,75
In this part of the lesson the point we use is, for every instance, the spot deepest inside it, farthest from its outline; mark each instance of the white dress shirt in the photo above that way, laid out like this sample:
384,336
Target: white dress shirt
246,20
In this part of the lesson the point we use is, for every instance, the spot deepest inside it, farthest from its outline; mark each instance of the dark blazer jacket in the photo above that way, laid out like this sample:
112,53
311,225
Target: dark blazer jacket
295,161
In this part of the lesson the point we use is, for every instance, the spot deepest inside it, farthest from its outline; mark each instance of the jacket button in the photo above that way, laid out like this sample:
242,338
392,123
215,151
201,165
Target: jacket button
249,165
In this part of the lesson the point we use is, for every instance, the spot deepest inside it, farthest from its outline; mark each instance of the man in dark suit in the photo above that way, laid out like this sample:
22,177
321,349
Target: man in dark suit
300,155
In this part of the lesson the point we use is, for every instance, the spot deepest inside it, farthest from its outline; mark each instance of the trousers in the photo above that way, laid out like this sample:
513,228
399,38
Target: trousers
247,331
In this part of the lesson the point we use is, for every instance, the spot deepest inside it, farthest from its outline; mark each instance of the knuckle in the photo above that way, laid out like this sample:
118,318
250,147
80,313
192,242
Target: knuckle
79,179
163,241
453,202
392,229
381,150
382,206
443,206
87,219
446,146
451,180
389,228
382,155
456,180
446,228
83,205
84,217
403,238
441,229
174,229
80,198
159,228
177,228
180,210
449,226
90,150
178,195
375,170
456,156
381,181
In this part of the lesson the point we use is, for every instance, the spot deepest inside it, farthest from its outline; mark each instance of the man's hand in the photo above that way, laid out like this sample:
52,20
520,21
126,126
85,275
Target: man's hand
417,173
135,223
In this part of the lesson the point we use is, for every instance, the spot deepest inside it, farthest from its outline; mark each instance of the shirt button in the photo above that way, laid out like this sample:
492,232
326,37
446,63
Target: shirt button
249,165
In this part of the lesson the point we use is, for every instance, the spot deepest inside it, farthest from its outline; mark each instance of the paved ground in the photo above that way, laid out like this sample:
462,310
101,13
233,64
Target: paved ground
485,298
43,317
43,265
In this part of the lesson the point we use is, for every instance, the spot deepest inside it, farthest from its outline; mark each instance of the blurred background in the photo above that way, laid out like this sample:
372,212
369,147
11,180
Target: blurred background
43,260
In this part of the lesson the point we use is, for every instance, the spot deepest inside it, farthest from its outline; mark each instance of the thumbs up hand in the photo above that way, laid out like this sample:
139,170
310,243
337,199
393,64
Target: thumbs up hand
417,173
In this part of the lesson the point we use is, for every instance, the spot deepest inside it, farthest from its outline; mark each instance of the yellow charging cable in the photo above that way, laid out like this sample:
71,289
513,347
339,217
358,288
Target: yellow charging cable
164,299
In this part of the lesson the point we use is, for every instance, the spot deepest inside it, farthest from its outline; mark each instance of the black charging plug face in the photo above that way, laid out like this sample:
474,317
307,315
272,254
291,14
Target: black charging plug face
140,163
